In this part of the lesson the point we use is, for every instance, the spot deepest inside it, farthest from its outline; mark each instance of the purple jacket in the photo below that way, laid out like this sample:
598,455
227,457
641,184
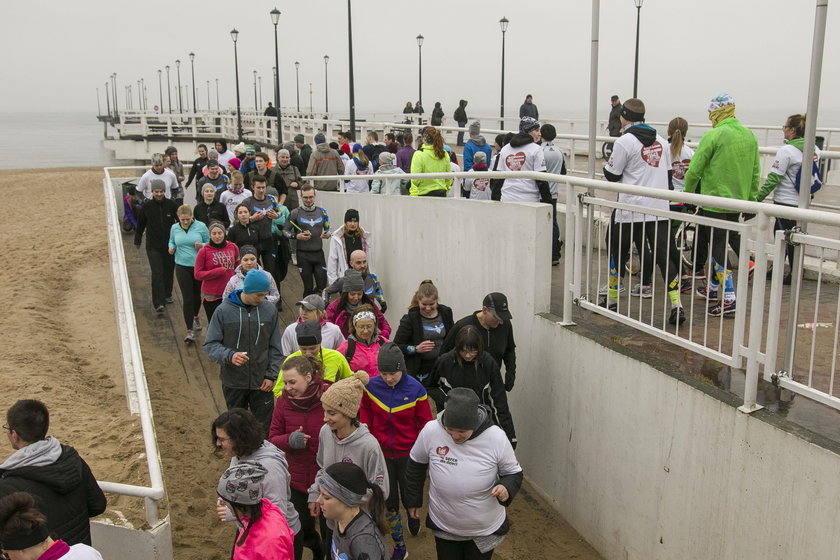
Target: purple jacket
404,158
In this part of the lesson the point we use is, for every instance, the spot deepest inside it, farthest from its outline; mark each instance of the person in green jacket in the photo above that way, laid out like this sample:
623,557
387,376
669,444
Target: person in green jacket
430,158
727,163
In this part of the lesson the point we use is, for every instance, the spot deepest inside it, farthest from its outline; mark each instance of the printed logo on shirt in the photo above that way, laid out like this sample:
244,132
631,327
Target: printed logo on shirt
776,165
481,184
652,154
438,328
312,222
346,460
514,162
442,450
679,168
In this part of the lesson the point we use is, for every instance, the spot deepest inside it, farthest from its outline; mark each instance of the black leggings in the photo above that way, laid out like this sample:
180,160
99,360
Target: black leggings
645,255
210,307
312,265
190,293
396,482
459,550
657,234
719,240
308,536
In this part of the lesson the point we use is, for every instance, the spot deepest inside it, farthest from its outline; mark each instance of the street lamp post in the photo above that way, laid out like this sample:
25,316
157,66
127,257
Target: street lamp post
256,107
636,70
160,90
168,89
192,68
178,68
310,99
326,84
275,19
260,80
420,69
350,72
297,84
503,23
208,96
139,96
114,93
218,110
107,99
234,34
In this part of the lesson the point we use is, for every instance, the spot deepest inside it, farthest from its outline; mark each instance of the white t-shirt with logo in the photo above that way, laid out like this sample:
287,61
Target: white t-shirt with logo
462,477
787,164
679,166
522,158
645,166
479,188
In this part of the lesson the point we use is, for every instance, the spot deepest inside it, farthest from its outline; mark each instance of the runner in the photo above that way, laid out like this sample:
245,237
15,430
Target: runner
185,239
214,267
311,308
362,346
422,331
309,224
248,261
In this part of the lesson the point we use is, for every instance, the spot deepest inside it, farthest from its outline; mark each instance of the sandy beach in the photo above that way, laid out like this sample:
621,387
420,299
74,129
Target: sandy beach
58,288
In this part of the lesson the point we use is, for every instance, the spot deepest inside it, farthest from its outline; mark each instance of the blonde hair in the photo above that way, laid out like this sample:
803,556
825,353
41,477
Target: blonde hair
185,210
798,123
237,177
677,130
427,289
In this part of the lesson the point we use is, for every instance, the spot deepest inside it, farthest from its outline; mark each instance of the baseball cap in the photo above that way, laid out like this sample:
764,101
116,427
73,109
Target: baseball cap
312,302
497,303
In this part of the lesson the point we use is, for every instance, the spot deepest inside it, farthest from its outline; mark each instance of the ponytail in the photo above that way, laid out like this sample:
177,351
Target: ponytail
427,289
798,123
677,129
376,507
432,137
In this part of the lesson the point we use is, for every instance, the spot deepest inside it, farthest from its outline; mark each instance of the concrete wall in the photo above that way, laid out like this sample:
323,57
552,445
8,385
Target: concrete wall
644,465
132,544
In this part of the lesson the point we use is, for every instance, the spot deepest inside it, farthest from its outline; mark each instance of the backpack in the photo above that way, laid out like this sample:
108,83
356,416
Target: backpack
816,177
351,347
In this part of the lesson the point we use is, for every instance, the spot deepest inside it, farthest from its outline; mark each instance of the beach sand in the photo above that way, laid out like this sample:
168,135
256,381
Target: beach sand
57,284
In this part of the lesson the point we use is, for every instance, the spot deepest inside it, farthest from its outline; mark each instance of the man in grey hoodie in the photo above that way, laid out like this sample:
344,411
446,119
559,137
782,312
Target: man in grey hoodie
55,474
477,143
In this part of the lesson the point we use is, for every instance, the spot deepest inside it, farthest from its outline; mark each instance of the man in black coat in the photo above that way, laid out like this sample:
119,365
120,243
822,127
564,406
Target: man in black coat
614,123
64,488
155,218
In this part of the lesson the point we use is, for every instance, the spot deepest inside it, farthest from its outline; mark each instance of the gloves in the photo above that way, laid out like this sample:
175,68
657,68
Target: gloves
510,378
296,440
383,306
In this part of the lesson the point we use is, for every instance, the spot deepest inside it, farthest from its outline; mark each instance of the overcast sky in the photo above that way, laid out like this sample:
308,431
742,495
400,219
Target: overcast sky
757,50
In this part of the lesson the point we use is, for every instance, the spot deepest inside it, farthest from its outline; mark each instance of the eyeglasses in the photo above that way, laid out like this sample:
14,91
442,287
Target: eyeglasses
8,429
222,439
786,126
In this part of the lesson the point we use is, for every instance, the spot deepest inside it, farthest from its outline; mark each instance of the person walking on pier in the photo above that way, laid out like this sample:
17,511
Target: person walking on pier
185,239
524,154
476,144
614,122
727,164
235,194
210,209
324,161
309,224
460,117
244,339
528,109
225,155
158,171
215,265
214,177
196,171
304,149
55,474
430,158
265,208
174,164
155,219
437,115
556,165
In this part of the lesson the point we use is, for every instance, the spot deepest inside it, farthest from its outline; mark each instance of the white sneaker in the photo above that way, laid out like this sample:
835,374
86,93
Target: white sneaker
605,289
645,292
196,324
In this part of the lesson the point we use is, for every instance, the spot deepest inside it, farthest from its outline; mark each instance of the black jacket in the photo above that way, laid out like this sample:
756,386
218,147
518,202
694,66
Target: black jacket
410,333
195,171
614,123
483,377
215,212
244,235
460,115
437,116
156,219
499,344
65,491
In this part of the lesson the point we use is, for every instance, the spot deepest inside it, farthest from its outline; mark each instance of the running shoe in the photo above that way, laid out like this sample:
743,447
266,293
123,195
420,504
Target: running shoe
677,316
400,553
170,299
722,308
196,323
413,526
160,309
644,292
294,259
190,338
704,292
605,289
685,285
698,274
555,262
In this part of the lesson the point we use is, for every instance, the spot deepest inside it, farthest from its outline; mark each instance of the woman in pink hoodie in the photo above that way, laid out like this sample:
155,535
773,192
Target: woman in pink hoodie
362,347
214,266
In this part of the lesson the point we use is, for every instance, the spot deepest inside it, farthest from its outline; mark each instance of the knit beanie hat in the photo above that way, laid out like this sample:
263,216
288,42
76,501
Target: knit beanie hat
386,158
357,148
242,484
250,150
475,129
461,409
722,100
345,395
291,147
320,139
479,157
527,124
283,152
212,153
239,148
235,162
390,358
215,224
353,281
158,185
300,139
308,333
256,281
248,250
157,159
352,215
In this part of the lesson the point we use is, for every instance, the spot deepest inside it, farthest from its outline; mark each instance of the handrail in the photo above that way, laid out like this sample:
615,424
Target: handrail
132,361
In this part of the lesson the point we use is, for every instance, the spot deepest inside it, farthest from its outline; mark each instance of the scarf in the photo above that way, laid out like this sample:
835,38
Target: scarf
306,401
721,114
308,208
359,165
232,188
58,549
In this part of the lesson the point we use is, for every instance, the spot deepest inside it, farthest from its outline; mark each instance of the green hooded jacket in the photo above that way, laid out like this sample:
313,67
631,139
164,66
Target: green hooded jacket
425,161
727,162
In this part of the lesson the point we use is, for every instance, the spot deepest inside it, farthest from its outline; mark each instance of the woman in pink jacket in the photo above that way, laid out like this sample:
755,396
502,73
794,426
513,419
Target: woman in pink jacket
295,425
352,296
214,266
362,347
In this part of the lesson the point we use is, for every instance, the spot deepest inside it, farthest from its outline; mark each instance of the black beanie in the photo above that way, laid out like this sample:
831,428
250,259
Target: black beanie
352,215
461,409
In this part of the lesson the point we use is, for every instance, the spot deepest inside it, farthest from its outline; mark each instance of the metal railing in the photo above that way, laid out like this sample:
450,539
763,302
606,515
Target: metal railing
137,391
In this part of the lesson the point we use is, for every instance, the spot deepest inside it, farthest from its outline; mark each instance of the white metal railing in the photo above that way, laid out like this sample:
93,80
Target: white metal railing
137,391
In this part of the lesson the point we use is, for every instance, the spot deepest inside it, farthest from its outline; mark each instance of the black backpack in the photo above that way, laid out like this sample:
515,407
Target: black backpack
351,347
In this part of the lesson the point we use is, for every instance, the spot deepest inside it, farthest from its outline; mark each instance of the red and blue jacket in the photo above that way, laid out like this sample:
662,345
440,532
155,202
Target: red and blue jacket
395,415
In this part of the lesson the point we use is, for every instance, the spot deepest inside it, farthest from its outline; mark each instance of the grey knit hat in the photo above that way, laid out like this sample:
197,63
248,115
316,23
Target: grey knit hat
353,281
475,129
461,409
390,358
308,333
242,484
158,184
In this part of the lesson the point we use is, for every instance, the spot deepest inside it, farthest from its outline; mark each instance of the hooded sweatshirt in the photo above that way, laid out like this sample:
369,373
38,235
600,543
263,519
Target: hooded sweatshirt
275,485
155,218
237,327
238,278
325,161
523,154
360,448
460,115
337,261
62,483
384,186
476,144
214,266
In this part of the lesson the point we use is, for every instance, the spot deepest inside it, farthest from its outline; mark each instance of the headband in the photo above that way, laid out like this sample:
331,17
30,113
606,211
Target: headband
338,491
38,535
364,315
631,116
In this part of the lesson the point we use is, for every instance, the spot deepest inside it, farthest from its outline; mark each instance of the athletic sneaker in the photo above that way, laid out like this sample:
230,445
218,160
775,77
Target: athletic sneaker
399,554
722,308
698,274
196,324
413,526
190,338
703,292
555,262
677,316
294,259
645,292
685,285
605,289
170,299
160,309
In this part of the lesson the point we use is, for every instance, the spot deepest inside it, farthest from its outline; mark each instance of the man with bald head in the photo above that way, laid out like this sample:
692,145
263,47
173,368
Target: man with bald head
373,289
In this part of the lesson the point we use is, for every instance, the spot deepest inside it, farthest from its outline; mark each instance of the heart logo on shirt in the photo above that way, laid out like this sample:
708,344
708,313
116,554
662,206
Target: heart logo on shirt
652,154
514,162
442,450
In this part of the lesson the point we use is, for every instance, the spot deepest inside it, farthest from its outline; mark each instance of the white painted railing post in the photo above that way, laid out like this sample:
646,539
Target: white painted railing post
571,245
